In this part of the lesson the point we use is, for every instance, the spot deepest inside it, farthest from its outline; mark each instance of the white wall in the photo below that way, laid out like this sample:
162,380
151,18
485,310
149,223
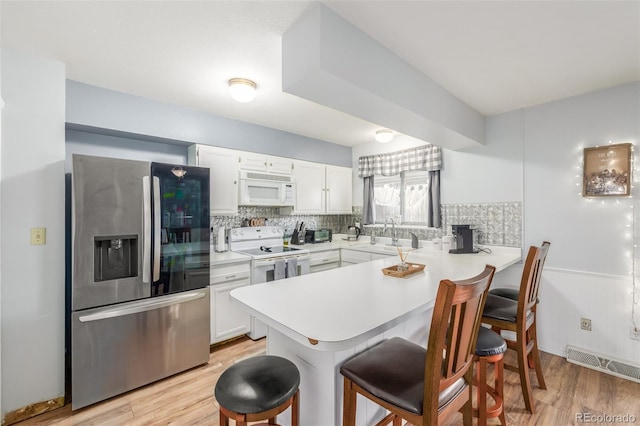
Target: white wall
487,174
32,190
589,267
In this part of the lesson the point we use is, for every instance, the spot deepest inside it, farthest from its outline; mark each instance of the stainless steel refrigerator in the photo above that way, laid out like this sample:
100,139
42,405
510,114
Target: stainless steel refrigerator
139,274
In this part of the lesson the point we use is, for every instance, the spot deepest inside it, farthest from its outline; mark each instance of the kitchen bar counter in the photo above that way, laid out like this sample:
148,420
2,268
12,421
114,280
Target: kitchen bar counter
319,320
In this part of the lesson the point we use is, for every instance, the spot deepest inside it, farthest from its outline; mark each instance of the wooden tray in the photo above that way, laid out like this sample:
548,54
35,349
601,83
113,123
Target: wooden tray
393,270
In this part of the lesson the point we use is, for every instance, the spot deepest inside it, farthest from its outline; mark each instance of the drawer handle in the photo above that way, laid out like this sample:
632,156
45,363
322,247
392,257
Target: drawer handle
228,277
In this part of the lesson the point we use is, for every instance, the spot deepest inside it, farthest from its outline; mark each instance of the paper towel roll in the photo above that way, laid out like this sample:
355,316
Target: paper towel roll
221,243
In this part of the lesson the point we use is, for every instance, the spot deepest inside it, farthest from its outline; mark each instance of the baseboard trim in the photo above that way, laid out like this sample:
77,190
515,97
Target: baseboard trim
33,410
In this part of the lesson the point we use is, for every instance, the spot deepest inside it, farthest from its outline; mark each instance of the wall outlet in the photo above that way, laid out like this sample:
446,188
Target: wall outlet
585,324
634,333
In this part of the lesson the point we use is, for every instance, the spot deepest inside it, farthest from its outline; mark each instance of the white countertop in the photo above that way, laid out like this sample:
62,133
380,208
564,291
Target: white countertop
342,307
227,257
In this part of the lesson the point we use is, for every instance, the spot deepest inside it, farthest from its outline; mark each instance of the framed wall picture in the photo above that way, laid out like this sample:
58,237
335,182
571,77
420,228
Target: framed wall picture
607,171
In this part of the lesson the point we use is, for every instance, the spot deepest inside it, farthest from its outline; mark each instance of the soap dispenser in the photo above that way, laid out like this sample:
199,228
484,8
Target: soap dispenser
414,240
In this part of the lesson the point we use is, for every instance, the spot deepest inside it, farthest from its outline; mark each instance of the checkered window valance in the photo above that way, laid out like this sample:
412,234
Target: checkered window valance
427,157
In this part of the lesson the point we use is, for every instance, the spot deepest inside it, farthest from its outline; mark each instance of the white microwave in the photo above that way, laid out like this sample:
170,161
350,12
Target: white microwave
265,189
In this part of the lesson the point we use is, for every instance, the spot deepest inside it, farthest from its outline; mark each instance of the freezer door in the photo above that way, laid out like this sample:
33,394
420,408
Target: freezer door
119,348
111,222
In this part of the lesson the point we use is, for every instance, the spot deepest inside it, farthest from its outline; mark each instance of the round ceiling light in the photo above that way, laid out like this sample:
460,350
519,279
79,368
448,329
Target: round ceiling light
242,90
384,135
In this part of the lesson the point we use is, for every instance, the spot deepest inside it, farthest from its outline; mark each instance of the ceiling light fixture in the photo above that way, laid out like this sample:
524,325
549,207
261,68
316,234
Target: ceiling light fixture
242,90
384,135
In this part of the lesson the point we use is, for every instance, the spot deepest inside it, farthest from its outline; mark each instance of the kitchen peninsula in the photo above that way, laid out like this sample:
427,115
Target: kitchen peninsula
320,320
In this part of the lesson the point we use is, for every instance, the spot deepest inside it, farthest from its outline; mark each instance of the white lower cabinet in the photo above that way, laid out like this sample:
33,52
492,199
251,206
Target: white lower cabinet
228,320
350,257
324,260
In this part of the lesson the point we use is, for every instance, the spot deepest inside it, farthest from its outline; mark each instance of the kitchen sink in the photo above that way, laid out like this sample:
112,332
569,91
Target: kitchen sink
380,248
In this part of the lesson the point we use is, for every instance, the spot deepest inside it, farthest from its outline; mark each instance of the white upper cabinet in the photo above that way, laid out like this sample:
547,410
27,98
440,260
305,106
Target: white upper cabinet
322,189
223,165
265,163
310,187
339,190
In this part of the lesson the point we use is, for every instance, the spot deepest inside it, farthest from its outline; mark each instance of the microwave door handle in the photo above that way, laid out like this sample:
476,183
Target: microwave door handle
146,232
156,228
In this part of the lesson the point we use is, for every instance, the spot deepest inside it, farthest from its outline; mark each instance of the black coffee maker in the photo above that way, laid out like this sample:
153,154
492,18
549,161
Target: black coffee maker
463,238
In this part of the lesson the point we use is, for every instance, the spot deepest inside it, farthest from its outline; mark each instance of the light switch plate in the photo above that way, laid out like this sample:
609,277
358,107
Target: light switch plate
38,236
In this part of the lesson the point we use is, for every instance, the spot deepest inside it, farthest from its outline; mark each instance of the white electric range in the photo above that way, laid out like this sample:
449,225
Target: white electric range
270,260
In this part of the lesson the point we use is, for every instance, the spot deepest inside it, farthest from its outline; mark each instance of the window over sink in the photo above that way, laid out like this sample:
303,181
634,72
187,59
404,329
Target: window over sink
404,197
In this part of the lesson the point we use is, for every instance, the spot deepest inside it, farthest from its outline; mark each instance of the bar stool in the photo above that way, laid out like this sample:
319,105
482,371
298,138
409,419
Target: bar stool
520,316
258,388
490,349
418,385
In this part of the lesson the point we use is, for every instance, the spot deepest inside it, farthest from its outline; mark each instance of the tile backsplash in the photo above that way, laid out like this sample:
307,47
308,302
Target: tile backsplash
337,223
496,223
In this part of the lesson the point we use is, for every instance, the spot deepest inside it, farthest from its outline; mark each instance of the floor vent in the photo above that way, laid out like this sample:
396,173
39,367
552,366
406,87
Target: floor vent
603,364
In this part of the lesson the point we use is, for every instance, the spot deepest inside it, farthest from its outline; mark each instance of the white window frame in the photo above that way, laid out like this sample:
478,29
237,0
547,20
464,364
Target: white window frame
401,179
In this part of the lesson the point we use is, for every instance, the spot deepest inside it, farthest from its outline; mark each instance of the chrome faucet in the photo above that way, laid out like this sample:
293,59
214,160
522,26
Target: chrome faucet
394,235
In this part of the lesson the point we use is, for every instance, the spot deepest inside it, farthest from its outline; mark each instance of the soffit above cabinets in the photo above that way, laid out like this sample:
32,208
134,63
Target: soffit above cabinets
327,60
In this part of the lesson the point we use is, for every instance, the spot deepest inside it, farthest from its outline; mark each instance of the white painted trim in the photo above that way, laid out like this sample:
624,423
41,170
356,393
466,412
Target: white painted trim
588,274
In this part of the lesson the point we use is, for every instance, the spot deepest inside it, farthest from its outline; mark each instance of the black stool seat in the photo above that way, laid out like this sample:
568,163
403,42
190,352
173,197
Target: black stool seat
509,293
490,343
394,372
257,384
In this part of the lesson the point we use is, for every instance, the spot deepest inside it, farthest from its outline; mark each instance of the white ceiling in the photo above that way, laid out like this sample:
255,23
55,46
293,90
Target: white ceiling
496,56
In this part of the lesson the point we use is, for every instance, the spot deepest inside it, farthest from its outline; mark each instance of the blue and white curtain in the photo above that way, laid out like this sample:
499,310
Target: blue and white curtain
427,157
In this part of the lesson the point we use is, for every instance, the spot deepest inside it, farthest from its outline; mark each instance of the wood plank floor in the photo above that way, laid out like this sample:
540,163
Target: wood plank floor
187,398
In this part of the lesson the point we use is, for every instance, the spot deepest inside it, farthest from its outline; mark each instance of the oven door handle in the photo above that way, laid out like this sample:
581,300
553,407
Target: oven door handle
261,263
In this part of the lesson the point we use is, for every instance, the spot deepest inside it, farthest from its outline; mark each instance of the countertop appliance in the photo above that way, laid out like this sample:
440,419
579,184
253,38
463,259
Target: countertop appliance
139,297
266,189
318,236
270,260
463,239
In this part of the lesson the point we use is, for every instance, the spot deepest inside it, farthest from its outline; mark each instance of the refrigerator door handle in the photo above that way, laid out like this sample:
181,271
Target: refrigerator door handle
146,223
142,306
156,229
